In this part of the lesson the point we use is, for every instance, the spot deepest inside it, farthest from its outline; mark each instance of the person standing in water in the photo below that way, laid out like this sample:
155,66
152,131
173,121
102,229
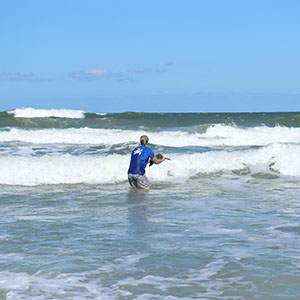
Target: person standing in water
140,157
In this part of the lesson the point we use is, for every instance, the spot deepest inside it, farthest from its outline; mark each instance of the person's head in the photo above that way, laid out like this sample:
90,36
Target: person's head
144,140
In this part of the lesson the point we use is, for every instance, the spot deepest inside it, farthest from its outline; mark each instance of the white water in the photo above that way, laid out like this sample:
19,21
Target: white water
66,169
216,135
45,113
260,135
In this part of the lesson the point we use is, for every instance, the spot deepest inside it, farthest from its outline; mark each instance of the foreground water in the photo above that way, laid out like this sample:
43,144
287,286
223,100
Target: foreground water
220,222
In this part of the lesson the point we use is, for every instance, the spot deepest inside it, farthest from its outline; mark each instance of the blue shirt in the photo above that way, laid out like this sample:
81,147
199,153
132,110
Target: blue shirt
139,159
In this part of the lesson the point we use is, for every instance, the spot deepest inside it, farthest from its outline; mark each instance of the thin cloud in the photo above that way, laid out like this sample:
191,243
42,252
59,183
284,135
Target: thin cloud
98,74
146,70
169,64
20,76
120,76
141,70
93,74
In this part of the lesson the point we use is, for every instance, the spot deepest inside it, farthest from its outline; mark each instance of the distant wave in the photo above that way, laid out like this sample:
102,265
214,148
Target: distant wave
216,135
46,113
67,118
259,135
68,169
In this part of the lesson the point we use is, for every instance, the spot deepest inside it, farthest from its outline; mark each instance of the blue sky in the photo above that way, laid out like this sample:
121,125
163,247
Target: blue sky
158,56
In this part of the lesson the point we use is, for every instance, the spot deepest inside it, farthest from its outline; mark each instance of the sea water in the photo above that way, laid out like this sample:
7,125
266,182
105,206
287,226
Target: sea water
221,220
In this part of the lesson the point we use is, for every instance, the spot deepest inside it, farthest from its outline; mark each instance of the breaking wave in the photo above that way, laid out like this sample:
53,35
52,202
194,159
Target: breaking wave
215,135
67,169
46,113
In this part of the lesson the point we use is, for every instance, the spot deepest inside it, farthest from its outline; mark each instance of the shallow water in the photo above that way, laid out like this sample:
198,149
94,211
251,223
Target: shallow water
194,240
220,221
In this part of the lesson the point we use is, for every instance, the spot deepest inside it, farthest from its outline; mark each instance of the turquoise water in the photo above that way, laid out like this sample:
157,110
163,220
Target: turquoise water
221,220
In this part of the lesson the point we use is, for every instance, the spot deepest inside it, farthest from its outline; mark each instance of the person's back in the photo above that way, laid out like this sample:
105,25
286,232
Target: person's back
140,157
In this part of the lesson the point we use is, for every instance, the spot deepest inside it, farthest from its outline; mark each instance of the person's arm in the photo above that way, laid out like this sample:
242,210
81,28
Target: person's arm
158,160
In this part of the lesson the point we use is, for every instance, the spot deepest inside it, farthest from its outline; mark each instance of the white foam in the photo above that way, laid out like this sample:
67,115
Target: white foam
67,169
70,136
288,163
282,158
46,113
51,285
261,135
218,135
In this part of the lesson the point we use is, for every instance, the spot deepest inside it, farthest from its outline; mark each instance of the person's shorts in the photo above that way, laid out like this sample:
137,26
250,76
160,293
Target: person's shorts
138,181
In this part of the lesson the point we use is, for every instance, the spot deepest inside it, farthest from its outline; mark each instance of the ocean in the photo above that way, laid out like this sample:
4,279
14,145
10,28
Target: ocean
221,220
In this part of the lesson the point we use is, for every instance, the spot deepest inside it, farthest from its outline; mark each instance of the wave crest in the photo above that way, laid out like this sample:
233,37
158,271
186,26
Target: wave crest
67,169
217,135
46,113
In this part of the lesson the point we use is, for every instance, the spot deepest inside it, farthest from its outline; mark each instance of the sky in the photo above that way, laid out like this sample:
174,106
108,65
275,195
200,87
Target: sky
150,56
